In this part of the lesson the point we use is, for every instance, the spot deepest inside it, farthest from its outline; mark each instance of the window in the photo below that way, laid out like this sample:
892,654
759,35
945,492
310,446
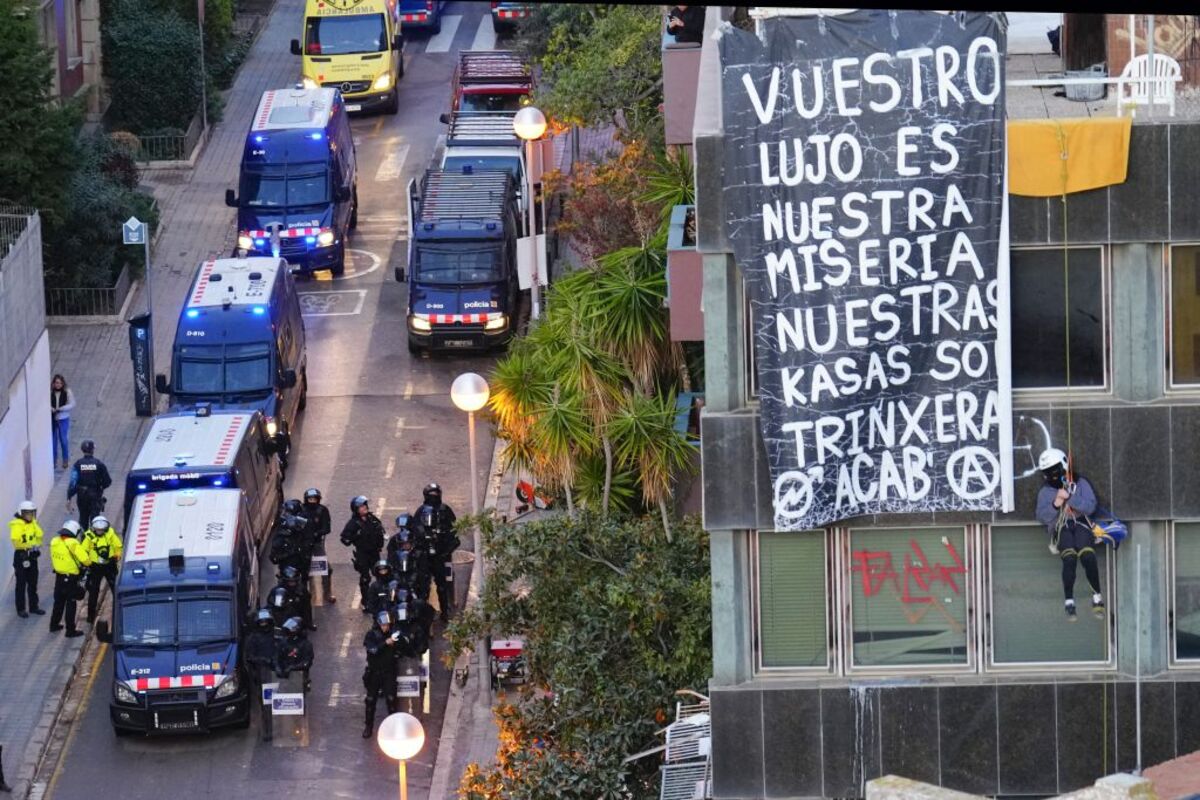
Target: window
751,359
224,369
74,32
454,265
1039,299
355,33
1028,622
277,191
498,101
49,27
908,592
1185,315
1186,591
792,600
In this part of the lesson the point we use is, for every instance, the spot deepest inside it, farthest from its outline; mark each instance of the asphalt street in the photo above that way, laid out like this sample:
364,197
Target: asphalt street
379,422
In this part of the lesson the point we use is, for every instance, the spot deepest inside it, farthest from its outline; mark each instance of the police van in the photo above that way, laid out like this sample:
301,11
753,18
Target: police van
187,582
240,344
222,448
297,193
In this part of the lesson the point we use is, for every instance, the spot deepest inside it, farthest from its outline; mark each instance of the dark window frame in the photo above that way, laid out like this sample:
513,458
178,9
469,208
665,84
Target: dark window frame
1173,385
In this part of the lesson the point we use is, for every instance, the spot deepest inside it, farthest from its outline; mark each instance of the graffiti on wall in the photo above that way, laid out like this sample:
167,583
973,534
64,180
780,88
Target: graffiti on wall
920,584
1030,438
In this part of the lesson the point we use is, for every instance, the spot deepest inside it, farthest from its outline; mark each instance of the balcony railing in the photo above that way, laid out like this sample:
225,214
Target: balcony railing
89,301
681,72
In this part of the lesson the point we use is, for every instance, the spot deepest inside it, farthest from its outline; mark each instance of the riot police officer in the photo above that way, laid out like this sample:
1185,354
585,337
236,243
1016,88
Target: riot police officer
319,526
291,545
414,616
258,656
89,479
103,546
364,532
381,592
294,652
290,598
434,522
379,676
410,562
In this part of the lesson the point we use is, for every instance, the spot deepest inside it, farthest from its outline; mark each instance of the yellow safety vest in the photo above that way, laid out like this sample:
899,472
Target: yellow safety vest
68,556
93,542
24,534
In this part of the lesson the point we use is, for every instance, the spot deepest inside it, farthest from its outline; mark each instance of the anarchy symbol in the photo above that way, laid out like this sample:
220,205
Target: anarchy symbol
973,465
794,494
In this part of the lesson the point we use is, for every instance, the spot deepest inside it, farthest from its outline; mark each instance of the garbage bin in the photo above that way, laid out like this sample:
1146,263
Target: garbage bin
1087,92
462,562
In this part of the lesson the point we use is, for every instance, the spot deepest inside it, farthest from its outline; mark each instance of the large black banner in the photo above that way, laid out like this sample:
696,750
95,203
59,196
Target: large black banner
864,193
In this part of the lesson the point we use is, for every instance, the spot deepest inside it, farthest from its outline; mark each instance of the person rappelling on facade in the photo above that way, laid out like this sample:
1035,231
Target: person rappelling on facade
1063,505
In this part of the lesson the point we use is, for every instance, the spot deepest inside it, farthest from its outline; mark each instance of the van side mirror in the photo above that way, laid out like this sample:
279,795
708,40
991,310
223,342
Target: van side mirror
289,379
231,198
398,41
400,274
160,384
295,47
103,633
444,118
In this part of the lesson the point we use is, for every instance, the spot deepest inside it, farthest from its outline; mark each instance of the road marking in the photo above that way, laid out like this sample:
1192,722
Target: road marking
76,723
392,164
408,390
485,35
344,648
399,427
342,303
441,42
335,692
391,467
380,507
356,601
352,273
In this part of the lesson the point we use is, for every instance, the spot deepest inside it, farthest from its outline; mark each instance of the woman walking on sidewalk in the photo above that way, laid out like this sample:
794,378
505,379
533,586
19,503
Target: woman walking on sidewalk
62,400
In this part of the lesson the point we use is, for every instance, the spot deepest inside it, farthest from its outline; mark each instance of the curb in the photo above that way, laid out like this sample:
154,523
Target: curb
459,711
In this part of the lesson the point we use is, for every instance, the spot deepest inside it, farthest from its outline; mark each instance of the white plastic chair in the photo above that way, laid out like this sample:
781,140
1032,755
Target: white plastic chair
1132,93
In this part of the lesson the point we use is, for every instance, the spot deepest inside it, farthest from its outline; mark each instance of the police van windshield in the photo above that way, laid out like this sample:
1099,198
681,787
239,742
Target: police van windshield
506,101
224,369
352,33
511,165
175,620
261,190
452,265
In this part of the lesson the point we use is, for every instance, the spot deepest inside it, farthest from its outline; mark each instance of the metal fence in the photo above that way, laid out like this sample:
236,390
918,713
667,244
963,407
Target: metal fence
172,146
89,302
14,219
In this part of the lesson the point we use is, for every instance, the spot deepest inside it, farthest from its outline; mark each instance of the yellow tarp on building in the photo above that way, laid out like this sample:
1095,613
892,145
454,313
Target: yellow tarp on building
1052,157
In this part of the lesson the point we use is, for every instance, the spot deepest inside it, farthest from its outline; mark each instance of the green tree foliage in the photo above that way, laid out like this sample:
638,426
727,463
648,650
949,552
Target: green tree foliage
38,153
601,64
152,60
614,620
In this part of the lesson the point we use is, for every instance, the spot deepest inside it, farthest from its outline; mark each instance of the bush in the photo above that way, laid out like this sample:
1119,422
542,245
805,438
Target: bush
152,61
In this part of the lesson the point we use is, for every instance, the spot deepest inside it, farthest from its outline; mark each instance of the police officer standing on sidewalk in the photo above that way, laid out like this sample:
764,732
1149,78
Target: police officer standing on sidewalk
27,548
103,546
89,479
68,558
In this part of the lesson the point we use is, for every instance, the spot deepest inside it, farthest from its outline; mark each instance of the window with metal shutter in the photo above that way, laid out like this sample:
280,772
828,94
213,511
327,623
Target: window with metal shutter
793,598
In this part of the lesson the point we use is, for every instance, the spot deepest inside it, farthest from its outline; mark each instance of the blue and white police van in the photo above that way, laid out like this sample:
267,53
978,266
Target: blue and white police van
240,344
206,447
187,581
297,193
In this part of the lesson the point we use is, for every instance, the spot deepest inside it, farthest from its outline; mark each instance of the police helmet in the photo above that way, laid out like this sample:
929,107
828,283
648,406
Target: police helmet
383,618
264,620
289,575
357,503
27,505
292,626
382,568
313,494
403,521
71,527
99,524
433,494
88,447
294,507
278,597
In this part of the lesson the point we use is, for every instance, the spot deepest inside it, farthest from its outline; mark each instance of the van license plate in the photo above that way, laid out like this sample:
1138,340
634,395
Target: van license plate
353,107
459,343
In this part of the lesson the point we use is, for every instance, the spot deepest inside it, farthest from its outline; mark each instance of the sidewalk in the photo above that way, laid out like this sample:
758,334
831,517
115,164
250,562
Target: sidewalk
37,667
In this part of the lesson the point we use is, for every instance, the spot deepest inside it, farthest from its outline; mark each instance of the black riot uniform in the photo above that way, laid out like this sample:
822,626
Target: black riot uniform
379,677
294,652
410,562
292,545
319,526
290,598
364,532
414,616
258,656
89,479
382,591
434,525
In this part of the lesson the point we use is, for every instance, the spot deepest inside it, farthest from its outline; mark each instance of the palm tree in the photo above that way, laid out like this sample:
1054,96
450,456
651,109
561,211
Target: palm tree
644,428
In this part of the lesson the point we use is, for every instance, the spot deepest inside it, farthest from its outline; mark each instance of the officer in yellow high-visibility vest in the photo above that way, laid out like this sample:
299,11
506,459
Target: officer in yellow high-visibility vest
68,558
103,546
27,547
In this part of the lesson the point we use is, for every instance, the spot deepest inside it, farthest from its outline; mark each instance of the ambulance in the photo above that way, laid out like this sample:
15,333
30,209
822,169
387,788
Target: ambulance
354,46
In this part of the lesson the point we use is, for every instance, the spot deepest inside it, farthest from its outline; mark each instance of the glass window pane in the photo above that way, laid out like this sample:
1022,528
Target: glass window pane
792,599
1185,314
1039,297
1187,590
908,596
1028,622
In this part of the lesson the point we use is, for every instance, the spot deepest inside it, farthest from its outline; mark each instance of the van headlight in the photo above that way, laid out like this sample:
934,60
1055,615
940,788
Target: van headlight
383,82
420,322
309,83
245,242
272,427
496,324
229,687
325,238
123,694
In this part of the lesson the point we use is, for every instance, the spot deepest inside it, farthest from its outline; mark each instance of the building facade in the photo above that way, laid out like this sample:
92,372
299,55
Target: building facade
25,472
70,30
935,646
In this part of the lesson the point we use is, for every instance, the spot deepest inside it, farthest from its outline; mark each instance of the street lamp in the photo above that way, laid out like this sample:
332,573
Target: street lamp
401,737
470,393
530,124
